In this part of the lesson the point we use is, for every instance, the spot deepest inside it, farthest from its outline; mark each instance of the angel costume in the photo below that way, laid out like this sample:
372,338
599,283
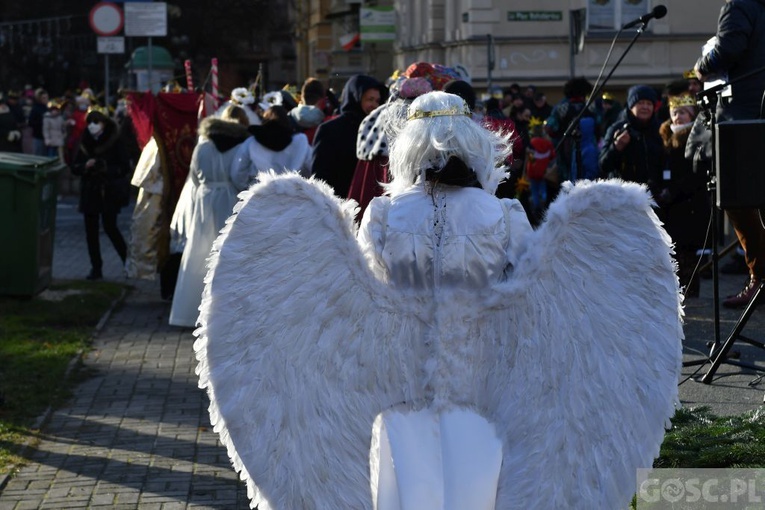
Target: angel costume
449,357
206,200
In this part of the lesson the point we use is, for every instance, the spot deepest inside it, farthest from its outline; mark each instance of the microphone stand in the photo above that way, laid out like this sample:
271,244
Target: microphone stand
573,128
709,99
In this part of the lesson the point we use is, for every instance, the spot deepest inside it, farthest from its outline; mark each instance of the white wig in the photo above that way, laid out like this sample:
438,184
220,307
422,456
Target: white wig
438,126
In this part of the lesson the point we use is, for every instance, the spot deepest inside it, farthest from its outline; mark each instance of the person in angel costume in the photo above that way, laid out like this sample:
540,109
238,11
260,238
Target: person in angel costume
447,357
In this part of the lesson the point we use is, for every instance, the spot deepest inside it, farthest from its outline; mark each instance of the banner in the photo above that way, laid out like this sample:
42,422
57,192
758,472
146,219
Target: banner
172,119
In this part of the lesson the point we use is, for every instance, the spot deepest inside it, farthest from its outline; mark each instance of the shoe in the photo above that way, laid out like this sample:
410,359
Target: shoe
94,275
736,265
742,299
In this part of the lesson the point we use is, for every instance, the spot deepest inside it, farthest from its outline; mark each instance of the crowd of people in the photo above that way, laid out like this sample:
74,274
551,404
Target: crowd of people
456,195
345,143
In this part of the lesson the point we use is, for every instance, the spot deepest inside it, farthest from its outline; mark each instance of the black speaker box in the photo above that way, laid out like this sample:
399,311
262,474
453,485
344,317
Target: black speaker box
740,148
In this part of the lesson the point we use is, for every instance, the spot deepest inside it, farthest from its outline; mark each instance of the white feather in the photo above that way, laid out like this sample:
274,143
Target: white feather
575,359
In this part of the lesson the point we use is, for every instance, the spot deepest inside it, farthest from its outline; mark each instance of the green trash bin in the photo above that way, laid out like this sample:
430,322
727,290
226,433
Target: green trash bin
28,194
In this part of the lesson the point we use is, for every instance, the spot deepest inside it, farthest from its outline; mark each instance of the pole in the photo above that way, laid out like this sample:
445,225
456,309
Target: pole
214,71
189,77
571,44
489,61
148,73
106,81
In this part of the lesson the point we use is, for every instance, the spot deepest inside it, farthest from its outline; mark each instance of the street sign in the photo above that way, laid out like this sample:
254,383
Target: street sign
106,19
111,45
534,15
377,24
146,19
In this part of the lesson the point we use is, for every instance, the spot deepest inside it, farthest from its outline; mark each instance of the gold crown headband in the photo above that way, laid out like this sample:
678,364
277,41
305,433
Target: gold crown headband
448,112
680,101
97,109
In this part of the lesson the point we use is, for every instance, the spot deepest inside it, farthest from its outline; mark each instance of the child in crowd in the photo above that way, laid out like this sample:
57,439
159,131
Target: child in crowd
539,156
54,129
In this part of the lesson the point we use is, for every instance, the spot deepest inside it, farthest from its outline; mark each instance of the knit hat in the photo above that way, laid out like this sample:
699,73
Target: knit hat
638,93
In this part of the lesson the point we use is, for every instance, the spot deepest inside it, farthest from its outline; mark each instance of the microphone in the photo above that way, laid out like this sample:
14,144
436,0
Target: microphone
658,12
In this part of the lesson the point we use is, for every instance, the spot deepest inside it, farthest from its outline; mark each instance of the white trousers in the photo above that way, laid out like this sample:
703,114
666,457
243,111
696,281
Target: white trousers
427,461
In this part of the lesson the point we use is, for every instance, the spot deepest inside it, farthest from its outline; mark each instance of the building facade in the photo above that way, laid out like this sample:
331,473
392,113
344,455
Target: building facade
531,41
527,41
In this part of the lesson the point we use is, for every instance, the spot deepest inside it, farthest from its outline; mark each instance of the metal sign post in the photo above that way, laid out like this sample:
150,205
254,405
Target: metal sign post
107,46
106,20
146,19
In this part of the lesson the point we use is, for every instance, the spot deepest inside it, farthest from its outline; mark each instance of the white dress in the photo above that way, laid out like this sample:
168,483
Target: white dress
446,459
206,201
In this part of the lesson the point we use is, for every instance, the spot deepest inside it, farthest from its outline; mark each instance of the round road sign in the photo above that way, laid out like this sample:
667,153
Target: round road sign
106,19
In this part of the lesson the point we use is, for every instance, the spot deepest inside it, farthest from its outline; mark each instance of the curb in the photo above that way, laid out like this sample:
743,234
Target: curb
45,416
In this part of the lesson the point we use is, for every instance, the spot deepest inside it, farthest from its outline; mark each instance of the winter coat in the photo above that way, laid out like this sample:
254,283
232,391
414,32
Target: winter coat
683,198
36,114
641,160
54,130
10,133
589,148
104,187
740,49
334,145
563,113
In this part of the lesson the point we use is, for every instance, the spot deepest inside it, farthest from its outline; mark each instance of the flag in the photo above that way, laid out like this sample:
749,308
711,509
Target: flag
348,41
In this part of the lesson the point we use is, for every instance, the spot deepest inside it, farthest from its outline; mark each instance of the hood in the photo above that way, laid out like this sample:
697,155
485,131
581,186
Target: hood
93,147
272,136
355,88
225,135
587,129
307,116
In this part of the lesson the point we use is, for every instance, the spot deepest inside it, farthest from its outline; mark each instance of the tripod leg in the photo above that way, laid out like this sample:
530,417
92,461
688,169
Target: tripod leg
723,351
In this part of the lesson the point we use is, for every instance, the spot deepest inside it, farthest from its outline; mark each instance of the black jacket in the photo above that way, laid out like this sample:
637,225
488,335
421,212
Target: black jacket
643,158
740,49
334,145
104,187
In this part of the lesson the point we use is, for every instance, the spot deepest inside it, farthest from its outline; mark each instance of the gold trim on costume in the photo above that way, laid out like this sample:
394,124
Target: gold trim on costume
454,111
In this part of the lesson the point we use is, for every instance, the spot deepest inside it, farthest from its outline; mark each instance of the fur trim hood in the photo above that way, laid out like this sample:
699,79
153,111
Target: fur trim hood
224,134
673,140
96,147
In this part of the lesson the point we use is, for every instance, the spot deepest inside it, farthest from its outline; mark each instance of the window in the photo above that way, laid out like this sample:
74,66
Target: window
612,14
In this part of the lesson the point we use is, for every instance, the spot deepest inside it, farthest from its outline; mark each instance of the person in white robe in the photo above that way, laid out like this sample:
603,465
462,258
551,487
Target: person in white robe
206,201
274,145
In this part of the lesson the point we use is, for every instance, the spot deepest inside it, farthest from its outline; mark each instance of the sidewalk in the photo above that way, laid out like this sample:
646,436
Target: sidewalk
137,435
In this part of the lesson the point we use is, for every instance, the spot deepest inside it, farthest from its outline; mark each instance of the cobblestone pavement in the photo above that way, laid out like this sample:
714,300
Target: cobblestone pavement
136,433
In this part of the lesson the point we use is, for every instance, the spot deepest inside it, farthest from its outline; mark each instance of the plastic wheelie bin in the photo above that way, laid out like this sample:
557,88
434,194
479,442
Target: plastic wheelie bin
28,196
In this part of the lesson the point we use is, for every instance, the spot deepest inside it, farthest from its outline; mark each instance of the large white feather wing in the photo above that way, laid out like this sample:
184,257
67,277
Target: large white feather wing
298,347
593,317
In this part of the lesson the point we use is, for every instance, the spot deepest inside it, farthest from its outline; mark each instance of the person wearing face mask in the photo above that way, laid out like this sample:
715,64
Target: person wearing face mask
633,150
102,165
334,144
